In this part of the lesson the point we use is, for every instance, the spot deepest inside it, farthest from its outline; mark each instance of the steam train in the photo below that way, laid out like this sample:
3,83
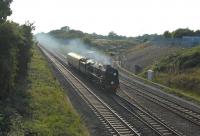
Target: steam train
104,76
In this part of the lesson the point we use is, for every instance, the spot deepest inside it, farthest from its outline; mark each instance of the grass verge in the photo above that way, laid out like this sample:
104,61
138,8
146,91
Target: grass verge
39,106
185,94
52,114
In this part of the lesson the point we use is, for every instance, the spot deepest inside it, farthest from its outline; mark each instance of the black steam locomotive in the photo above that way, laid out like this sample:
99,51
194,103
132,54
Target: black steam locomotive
103,75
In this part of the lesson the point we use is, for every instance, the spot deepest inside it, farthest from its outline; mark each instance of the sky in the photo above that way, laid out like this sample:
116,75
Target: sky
125,17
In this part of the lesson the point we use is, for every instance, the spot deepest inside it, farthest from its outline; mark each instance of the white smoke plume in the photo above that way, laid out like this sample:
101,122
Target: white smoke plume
75,45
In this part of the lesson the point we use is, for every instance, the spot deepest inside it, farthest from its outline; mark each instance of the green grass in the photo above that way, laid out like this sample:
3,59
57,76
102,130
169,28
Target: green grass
175,77
51,113
181,72
161,81
39,106
191,96
184,85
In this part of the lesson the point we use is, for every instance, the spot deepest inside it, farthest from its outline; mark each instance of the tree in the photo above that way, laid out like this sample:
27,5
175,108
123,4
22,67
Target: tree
9,40
87,40
24,54
65,28
197,33
5,9
179,33
15,52
112,35
167,34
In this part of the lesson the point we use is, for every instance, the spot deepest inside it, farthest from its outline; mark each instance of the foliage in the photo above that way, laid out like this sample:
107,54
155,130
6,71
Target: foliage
183,60
181,71
15,44
12,38
112,35
67,33
148,37
5,9
52,113
167,34
9,40
65,28
63,34
179,33
39,105
112,43
24,54
87,40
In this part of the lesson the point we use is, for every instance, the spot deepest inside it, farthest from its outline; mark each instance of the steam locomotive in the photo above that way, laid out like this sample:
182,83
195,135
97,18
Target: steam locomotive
104,76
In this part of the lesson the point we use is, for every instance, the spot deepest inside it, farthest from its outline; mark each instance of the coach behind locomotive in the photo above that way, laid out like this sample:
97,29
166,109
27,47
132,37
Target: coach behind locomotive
104,76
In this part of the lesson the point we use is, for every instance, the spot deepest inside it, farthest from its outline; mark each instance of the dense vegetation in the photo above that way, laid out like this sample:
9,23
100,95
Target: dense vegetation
142,56
67,33
51,111
5,9
39,105
187,59
113,40
101,42
15,45
15,53
179,33
181,71
31,100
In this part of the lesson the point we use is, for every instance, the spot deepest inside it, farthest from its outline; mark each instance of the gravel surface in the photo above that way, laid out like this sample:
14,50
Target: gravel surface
107,97
159,92
95,127
172,119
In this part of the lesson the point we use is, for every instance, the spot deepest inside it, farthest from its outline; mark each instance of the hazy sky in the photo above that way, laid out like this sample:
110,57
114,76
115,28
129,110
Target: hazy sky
125,17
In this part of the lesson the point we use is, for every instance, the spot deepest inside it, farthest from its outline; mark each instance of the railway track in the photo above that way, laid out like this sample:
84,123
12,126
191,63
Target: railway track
183,112
114,123
137,110
112,120
149,94
152,122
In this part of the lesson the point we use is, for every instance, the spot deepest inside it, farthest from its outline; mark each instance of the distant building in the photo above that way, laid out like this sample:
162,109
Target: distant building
192,39
185,41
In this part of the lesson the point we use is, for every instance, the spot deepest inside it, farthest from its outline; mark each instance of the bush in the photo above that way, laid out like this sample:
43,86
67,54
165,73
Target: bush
15,44
185,82
191,61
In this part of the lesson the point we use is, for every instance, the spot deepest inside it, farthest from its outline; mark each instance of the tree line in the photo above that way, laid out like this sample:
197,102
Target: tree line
179,33
67,33
15,50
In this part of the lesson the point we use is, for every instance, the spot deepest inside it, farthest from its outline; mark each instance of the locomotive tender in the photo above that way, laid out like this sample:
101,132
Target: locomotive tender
104,76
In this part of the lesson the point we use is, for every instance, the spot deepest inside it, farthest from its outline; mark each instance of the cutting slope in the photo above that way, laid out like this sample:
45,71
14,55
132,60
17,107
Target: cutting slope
142,56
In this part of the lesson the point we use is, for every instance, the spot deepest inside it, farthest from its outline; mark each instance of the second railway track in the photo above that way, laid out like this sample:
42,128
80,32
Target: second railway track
156,124
115,124
187,114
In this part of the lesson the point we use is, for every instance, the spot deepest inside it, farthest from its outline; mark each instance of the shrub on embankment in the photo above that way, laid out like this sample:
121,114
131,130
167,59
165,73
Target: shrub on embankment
39,105
15,44
31,100
181,71
15,53
51,111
